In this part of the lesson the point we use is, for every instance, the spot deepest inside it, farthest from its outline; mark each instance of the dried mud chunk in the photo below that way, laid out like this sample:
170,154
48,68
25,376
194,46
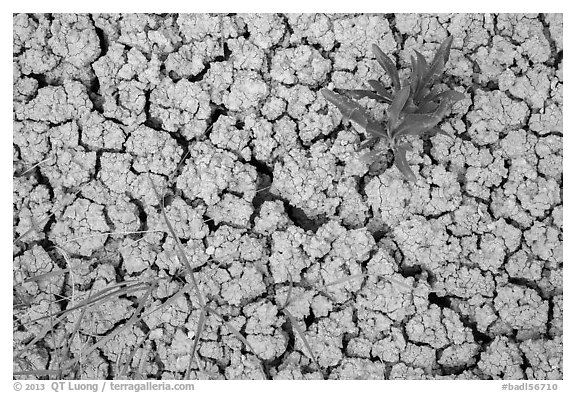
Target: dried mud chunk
545,242
522,309
493,60
544,357
99,133
149,32
315,28
218,80
191,59
393,301
115,171
438,328
245,55
23,88
226,134
137,257
301,65
262,330
463,282
72,167
556,328
56,104
550,153
524,264
32,206
36,262
209,171
81,227
529,31
325,337
426,243
231,210
352,210
357,34
180,107
388,198
245,287
445,194
306,181
404,372
288,259
153,151
123,215
271,218
139,67
32,140
74,38
188,222
262,143
493,113
244,367
126,103
555,26
548,120
266,30
30,44
533,87
539,196
501,360
389,348
457,356
364,369
196,27
248,90
419,356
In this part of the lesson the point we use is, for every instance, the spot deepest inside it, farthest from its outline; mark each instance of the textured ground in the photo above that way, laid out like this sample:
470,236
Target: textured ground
462,270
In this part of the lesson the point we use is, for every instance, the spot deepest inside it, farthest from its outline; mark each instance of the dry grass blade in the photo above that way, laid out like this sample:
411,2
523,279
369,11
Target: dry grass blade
124,370
39,336
364,275
234,331
300,332
199,329
108,337
100,297
294,322
170,301
179,248
44,276
36,225
37,372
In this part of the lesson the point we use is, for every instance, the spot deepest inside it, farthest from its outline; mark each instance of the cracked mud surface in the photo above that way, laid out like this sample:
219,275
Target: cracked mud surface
459,275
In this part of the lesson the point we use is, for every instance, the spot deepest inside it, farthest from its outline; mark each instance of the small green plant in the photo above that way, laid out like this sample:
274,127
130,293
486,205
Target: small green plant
416,106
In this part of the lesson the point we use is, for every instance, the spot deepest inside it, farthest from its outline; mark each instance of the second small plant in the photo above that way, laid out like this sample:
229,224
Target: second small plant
416,105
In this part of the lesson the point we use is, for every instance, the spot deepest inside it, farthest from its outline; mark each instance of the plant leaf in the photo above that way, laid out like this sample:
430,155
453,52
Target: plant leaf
402,164
380,89
388,66
450,95
358,94
440,60
437,130
396,106
416,124
354,112
421,70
